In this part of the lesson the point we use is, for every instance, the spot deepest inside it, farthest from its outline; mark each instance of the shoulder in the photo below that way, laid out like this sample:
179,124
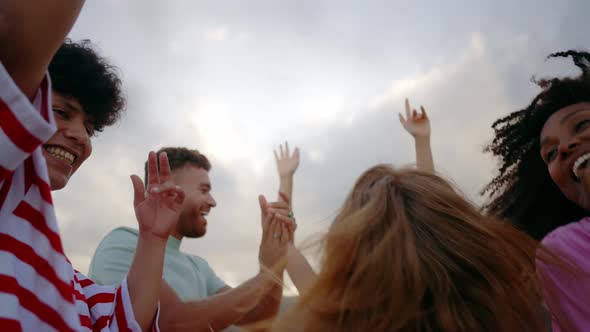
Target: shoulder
120,236
568,234
571,241
197,260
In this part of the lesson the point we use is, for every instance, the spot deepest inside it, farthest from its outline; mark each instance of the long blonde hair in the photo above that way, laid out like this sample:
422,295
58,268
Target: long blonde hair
408,253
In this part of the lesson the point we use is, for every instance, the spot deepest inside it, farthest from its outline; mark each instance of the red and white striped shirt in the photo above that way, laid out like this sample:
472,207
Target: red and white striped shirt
39,289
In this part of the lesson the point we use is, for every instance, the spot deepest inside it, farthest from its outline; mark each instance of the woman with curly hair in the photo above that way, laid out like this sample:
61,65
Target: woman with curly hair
407,252
543,185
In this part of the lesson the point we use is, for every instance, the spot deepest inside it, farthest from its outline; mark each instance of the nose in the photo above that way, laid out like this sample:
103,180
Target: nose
568,147
77,131
211,201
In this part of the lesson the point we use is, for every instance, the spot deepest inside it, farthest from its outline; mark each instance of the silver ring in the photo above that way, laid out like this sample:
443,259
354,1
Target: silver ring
276,235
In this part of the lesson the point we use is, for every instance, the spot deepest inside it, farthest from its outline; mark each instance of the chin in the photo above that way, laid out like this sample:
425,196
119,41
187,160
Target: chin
57,184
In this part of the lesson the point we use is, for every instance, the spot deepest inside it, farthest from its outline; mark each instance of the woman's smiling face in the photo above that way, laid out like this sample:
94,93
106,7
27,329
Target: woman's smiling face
565,148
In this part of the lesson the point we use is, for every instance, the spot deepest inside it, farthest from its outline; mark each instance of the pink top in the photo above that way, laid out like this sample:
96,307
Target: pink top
567,293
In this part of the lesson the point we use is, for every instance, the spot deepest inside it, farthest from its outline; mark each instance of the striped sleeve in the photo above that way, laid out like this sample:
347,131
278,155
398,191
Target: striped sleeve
106,308
23,128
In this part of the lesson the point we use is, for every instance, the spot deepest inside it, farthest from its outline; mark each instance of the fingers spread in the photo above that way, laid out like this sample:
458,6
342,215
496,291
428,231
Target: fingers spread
138,190
267,227
424,115
263,204
152,177
164,188
275,227
165,172
285,234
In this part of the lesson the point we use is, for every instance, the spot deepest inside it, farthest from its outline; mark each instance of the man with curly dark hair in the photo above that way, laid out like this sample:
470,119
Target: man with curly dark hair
543,185
86,98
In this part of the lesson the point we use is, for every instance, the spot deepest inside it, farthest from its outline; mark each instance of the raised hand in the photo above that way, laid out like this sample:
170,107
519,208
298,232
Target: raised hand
415,123
276,235
158,207
287,163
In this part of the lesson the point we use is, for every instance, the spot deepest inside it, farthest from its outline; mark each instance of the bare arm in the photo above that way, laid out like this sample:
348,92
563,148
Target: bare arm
418,125
287,164
215,313
157,210
30,34
299,269
424,160
257,299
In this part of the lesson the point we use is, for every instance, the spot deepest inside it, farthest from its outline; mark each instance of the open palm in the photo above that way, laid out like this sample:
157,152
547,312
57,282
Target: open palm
416,123
157,209
287,163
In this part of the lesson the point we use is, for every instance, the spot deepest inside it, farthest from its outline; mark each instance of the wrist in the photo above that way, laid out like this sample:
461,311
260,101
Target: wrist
422,140
286,177
268,278
147,238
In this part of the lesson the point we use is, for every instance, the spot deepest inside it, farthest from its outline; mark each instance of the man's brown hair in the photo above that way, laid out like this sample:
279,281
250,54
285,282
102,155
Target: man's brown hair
178,157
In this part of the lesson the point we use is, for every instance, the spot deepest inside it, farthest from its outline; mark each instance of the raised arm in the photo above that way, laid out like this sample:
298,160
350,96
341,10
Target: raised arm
287,164
30,34
418,125
157,210
256,299
298,267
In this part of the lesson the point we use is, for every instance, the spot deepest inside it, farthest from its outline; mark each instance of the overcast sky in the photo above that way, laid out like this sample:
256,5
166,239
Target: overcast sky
236,78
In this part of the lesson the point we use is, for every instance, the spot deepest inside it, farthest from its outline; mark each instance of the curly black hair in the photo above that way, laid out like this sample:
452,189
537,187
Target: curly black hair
523,192
79,72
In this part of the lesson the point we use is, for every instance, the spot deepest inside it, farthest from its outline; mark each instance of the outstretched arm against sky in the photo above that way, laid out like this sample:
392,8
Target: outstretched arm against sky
418,125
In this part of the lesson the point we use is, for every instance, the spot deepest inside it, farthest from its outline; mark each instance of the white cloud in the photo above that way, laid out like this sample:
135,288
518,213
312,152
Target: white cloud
217,34
328,77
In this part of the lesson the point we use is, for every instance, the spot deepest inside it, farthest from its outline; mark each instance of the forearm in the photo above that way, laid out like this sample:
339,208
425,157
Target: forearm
424,161
299,269
286,187
30,34
217,312
145,278
267,307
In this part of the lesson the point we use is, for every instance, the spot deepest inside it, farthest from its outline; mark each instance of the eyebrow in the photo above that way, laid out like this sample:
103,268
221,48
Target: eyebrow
573,113
545,141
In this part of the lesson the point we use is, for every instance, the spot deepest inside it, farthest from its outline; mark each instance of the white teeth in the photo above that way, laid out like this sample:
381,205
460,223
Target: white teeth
60,153
204,213
578,163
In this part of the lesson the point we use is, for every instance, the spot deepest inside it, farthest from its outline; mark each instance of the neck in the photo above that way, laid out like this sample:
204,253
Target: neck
175,233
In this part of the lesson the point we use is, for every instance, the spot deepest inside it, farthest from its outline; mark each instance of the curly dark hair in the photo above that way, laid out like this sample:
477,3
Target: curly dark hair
523,192
178,157
79,72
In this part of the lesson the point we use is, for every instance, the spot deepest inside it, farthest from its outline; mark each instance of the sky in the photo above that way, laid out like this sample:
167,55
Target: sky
234,79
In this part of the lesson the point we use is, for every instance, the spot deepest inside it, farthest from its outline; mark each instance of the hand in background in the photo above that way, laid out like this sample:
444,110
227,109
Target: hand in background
287,163
416,123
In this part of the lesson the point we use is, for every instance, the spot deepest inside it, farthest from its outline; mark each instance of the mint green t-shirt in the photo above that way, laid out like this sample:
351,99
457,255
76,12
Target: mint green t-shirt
190,276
